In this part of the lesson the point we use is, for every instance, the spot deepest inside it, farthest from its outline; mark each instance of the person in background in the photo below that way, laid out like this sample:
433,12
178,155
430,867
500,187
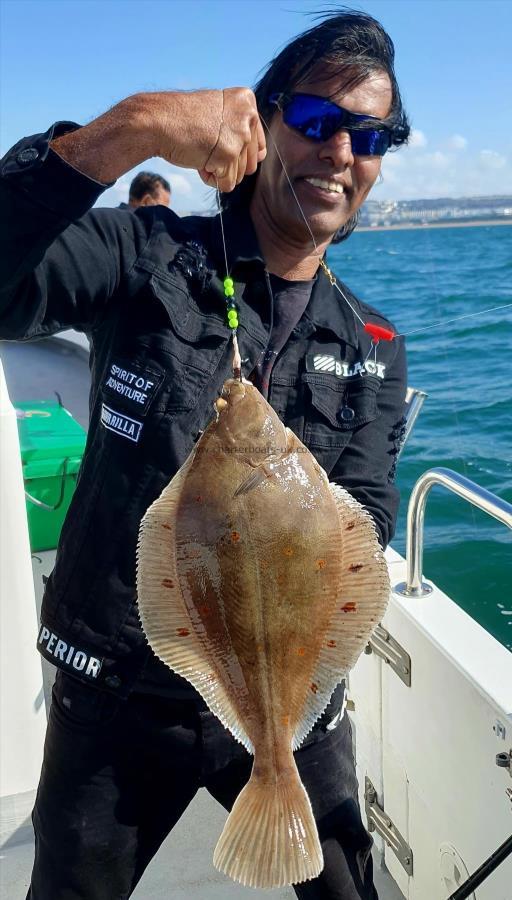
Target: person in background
148,189
129,742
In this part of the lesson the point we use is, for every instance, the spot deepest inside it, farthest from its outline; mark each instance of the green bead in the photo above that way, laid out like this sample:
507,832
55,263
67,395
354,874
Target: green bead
228,282
232,315
229,291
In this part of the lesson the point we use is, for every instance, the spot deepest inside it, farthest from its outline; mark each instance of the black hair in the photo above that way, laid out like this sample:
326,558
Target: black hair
147,183
353,45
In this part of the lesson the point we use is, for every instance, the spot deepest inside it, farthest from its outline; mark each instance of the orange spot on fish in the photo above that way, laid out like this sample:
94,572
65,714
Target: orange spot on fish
287,551
320,564
331,643
301,651
285,720
280,579
204,610
355,567
182,632
350,526
166,526
198,499
349,607
235,537
314,688
168,583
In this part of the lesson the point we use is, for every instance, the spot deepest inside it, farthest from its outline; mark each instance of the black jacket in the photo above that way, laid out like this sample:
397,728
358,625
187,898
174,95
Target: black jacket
147,290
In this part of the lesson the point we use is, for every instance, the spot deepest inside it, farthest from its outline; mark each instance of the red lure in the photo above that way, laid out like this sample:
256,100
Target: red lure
379,333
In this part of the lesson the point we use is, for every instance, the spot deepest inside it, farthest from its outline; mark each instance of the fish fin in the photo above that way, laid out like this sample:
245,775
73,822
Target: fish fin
361,602
163,612
257,477
270,838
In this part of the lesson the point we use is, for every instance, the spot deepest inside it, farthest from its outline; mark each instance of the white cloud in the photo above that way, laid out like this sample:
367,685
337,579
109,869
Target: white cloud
443,171
180,184
456,142
492,160
437,160
417,138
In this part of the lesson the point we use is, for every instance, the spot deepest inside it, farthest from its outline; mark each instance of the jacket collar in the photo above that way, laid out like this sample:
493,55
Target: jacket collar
326,309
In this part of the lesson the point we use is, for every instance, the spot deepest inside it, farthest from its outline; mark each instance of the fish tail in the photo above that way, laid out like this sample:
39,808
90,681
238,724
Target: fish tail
270,838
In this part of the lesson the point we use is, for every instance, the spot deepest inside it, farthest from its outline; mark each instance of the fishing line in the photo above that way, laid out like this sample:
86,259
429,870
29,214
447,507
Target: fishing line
222,227
229,293
457,319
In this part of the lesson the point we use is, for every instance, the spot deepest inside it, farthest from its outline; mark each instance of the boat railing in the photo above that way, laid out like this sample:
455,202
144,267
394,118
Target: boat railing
478,496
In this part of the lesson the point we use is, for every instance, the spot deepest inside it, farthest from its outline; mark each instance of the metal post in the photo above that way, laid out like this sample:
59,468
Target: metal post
468,490
414,400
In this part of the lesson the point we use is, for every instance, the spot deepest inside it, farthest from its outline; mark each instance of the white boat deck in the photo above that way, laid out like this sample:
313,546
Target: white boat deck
182,869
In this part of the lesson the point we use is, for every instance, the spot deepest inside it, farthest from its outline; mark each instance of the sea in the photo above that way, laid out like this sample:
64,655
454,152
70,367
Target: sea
427,276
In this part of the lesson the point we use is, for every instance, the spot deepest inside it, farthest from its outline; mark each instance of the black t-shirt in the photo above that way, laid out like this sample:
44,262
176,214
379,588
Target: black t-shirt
290,299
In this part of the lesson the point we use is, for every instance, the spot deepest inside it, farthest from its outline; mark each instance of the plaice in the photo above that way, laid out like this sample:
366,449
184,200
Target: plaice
260,583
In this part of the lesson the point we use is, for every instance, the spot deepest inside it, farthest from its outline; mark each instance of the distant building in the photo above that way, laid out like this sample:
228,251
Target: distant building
443,209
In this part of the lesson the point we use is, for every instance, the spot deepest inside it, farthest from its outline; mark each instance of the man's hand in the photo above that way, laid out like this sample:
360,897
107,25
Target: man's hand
216,132
219,133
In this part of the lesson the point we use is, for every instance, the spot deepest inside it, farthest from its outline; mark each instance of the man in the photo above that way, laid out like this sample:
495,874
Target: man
148,189
128,742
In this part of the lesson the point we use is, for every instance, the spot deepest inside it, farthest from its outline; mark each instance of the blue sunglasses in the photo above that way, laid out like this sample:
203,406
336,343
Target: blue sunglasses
318,119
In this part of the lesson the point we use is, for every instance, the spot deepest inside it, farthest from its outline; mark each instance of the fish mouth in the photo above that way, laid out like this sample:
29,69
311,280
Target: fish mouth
234,387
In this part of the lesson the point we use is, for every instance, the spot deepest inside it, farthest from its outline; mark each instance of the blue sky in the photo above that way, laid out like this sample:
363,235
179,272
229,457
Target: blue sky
72,59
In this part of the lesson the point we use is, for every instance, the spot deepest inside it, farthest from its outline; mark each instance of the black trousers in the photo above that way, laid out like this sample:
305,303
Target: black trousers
117,776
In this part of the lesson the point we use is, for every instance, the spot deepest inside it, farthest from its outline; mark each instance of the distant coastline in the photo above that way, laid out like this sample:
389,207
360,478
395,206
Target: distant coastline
402,226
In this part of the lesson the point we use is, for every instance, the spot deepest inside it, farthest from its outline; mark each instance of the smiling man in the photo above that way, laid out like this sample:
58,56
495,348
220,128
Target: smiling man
129,743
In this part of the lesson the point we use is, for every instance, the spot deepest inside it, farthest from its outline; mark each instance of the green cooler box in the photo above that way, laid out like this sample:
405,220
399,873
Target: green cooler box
52,446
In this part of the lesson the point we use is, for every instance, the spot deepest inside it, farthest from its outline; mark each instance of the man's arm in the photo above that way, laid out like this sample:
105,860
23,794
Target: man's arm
57,265
219,133
366,467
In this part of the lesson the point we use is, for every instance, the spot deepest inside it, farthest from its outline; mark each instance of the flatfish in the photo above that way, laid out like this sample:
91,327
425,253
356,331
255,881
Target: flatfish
260,583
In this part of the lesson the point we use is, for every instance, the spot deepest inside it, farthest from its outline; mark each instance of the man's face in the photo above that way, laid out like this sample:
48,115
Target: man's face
332,161
161,197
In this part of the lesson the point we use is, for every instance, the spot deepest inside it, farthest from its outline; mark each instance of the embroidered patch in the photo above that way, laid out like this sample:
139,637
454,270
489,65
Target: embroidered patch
67,656
120,424
325,362
135,385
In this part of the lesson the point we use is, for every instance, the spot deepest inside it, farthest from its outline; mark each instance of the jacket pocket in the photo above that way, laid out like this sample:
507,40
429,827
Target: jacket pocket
193,347
334,408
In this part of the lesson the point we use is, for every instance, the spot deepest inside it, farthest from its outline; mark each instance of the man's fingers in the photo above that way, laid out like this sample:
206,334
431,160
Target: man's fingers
262,144
252,154
207,177
242,164
241,142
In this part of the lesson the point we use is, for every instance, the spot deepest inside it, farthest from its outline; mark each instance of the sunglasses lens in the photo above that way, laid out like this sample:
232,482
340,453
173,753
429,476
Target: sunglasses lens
315,119
318,119
368,142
